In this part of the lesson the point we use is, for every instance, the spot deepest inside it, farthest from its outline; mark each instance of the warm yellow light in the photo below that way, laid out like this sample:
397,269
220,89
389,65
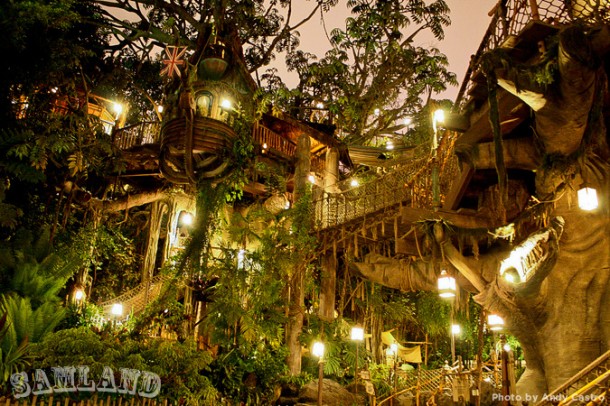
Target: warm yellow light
118,108
225,104
587,199
439,116
79,295
241,256
187,219
117,309
318,349
495,322
354,182
511,275
265,146
446,285
456,329
357,333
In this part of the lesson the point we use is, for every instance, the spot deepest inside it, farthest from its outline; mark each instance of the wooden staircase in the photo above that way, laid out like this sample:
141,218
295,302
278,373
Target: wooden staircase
590,386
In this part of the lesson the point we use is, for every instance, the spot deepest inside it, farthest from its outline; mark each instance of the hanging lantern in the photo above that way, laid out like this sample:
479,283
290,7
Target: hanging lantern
495,322
446,285
587,199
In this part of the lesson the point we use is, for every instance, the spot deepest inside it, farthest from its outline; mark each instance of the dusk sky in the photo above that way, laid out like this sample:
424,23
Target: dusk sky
469,21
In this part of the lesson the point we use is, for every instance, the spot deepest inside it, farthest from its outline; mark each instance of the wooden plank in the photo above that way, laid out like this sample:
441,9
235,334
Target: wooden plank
413,215
453,198
519,153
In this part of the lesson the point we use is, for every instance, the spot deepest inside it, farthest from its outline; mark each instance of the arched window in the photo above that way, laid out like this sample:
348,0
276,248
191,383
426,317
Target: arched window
205,102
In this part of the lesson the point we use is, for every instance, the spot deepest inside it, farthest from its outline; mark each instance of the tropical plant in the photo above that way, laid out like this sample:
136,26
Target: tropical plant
34,274
179,365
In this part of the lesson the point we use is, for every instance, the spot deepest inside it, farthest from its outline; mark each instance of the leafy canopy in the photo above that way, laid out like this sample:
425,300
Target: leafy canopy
375,75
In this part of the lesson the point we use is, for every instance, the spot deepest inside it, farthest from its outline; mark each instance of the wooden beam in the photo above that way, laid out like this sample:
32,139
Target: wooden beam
512,112
519,153
412,215
458,189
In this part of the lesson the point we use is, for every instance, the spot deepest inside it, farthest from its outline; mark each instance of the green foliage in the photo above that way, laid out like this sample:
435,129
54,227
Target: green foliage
85,314
432,313
380,374
179,365
34,274
109,254
373,77
252,377
13,358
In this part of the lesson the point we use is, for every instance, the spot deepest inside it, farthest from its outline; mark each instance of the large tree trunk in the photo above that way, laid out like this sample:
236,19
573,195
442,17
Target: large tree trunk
296,299
559,308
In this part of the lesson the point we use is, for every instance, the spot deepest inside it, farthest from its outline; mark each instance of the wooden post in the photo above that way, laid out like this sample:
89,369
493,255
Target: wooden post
426,350
328,286
534,10
480,358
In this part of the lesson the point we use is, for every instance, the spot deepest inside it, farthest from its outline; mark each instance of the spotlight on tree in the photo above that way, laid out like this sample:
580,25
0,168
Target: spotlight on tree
79,295
186,219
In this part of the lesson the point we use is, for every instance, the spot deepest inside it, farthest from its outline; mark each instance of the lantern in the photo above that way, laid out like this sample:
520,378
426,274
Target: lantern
587,199
495,322
446,285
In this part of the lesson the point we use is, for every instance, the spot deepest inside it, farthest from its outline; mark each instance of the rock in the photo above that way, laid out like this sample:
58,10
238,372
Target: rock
333,394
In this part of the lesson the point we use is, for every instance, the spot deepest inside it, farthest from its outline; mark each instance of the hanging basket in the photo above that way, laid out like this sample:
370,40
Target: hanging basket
214,64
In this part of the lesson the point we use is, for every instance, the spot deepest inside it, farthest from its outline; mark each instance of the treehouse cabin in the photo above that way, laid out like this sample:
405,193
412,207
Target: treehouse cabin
107,113
207,110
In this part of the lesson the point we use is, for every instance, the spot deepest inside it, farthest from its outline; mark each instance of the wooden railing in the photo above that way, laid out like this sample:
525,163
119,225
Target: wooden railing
146,132
510,17
590,383
270,140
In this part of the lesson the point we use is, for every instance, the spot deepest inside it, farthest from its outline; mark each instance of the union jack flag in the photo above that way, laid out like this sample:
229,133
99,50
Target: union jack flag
173,61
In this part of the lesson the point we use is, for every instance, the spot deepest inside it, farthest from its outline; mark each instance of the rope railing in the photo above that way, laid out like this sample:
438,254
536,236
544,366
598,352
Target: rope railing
136,299
409,184
510,17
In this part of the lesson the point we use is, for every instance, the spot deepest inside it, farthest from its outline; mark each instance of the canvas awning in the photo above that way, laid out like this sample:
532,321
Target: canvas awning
407,354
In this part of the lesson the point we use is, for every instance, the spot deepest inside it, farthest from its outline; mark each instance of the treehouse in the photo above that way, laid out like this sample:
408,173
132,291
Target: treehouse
207,109
511,224
198,133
